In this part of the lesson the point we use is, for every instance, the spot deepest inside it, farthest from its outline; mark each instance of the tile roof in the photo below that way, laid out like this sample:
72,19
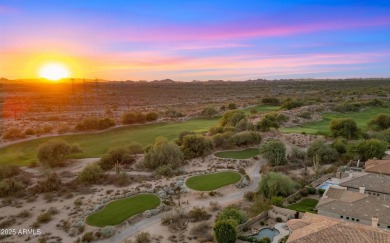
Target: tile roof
321,229
355,205
378,166
371,181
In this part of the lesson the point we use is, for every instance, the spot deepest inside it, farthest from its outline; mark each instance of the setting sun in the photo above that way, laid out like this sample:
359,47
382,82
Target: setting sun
54,71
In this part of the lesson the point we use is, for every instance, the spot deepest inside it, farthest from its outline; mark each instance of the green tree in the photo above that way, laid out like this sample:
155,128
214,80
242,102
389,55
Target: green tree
91,173
232,118
225,231
289,104
344,127
196,146
340,144
245,138
274,151
135,148
326,152
182,134
369,149
271,120
129,118
163,152
54,152
232,213
121,155
277,201
380,122
276,184
270,101
260,204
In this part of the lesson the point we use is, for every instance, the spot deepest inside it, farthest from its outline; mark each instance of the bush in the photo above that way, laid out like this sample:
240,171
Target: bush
196,146
380,122
274,151
321,191
232,213
91,173
165,170
198,214
344,127
53,152
143,237
325,152
270,101
259,205
163,153
245,138
44,218
225,231
250,196
200,229
209,111
87,237
151,116
276,184
94,123
291,104
311,190
121,155
277,201
279,219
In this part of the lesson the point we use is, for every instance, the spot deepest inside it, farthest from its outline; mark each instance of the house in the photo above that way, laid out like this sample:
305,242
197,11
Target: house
378,166
321,229
374,184
358,207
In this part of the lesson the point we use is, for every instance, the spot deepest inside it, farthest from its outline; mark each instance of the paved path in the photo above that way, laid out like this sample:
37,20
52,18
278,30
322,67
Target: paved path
282,227
156,219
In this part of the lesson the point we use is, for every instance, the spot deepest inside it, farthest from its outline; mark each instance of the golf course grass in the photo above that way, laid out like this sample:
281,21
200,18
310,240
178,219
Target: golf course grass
238,154
261,109
322,127
212,181
97,144
118,211
305,205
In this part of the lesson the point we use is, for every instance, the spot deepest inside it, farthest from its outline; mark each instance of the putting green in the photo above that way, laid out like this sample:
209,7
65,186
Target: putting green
118,211
212,181
238,154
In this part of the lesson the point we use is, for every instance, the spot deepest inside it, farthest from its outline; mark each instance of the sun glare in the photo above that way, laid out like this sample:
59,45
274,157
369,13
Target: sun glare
54,72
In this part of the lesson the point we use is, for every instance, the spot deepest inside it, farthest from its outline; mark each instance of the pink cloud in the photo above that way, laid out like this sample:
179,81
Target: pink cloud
7,10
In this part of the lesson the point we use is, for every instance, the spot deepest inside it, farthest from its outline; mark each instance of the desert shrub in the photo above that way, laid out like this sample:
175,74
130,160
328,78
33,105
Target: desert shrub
344,127
121,155
87,237
231,118
11,186
94,123
196,146
289,104
274,151
232,106
172,113
91,173
13,133
8,171
276,184
222,140
279,219
311,190
369,149
346,107
259,205
163,152
250,196
165,170
151,116
325,152
52,182
232,213
297,155
198,214
380,122
209,111
24,214
225,231
44,218
214,206
245,138
277,201
270,101
200,229
143,237
54,152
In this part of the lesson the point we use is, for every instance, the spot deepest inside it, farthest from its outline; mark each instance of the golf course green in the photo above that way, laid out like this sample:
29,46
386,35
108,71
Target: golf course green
238,154
118,211
212,181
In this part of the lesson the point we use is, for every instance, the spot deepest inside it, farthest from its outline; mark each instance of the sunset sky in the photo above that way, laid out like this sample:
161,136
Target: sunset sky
196,40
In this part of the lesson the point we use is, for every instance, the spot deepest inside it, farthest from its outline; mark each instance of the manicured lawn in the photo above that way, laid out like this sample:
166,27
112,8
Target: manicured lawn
238,154
95,145
212,181
118,211
305,205
261,109
322,127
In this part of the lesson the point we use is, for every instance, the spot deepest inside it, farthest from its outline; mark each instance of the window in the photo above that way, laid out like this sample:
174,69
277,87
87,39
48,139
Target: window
347,217
388,226
357,220
353,219
341,216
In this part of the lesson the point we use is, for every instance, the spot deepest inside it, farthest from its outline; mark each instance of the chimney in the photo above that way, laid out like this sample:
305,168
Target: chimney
362,189
375,221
